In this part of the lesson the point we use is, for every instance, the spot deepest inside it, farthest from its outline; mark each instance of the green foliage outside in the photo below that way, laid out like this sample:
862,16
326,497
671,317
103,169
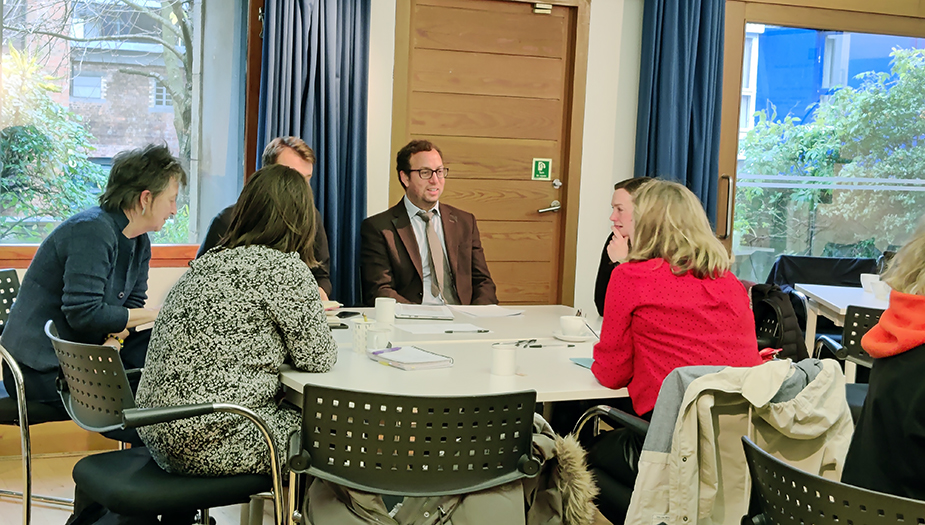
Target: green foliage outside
873,132
45,175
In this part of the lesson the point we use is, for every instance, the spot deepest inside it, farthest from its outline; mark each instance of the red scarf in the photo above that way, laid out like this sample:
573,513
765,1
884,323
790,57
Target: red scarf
901,327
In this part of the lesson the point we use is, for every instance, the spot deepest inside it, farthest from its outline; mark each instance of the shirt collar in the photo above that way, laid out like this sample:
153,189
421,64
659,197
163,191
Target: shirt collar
119,217
413,210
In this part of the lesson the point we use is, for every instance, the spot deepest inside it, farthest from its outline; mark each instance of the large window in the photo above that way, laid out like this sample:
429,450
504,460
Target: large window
85,79
830,155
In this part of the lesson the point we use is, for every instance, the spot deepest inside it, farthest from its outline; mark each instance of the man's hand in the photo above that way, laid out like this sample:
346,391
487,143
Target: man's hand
618,247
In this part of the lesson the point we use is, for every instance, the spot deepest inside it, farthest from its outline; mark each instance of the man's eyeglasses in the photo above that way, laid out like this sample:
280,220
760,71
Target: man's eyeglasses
427,173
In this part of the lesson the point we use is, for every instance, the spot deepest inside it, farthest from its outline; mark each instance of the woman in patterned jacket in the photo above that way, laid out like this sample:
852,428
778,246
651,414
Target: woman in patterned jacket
242,310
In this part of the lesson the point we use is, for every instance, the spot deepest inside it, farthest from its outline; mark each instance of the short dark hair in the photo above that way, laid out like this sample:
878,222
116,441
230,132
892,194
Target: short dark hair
277,145
403,159
276,210
631,185
150,168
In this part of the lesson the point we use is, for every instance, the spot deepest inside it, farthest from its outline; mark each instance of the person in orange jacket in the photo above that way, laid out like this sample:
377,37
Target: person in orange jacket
887,452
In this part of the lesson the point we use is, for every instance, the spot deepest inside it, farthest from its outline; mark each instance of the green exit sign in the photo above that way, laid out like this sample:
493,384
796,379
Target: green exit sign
542,169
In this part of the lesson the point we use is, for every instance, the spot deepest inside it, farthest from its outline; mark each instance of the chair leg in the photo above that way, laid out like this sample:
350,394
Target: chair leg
67,502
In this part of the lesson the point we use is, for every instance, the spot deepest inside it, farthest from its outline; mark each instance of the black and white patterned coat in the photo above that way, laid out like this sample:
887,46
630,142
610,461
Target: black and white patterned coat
221,336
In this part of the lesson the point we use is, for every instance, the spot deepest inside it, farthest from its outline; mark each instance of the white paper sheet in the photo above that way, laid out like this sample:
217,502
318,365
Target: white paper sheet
485,310
417,311
419,328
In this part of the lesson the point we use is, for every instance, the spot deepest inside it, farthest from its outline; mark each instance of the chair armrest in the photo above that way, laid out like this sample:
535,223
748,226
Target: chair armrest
133,373
634,424
298,458
824,341
140,417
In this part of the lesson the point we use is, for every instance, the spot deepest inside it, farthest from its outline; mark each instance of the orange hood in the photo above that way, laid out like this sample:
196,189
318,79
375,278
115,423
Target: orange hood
901,327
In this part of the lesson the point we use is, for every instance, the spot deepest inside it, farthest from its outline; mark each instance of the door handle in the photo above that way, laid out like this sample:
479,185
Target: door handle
729,204
553,206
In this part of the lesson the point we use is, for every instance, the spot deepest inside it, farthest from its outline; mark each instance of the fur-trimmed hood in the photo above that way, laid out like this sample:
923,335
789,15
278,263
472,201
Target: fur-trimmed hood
561,494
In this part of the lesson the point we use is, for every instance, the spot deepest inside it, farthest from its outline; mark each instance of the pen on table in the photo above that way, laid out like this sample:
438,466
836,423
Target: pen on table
550,346
479,331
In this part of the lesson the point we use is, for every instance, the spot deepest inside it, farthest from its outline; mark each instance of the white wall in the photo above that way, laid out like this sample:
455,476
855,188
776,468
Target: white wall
379,116
609,122
609,130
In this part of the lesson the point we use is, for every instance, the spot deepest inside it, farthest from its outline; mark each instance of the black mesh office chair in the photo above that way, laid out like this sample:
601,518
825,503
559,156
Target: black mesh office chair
788,495
858,321
23,414
95,390
414,446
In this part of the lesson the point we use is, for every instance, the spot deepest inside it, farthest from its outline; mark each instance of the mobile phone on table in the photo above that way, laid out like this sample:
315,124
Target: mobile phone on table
345,314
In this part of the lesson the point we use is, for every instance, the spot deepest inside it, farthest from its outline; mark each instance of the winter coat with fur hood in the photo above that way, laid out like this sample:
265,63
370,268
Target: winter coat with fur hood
562,493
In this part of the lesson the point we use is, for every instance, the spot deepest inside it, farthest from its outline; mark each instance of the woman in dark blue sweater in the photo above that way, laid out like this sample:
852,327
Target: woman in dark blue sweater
90,275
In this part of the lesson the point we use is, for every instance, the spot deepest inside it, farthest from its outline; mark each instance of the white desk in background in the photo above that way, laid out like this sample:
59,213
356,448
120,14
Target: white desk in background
832,302
547,370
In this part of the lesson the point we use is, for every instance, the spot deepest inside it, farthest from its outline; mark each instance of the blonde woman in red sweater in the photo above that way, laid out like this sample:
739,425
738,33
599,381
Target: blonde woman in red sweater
673,303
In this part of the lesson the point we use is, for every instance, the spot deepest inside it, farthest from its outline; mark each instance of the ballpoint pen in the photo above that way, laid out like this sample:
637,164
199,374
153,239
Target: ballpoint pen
479,331
550,346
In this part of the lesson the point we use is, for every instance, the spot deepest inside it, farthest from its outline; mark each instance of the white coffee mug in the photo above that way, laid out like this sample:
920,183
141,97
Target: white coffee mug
504,360
572,325
378,337
385,310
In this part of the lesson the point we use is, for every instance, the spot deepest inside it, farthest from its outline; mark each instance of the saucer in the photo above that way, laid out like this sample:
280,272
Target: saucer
573,338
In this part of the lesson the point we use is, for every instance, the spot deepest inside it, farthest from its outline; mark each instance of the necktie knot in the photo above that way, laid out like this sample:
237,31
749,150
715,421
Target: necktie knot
427,215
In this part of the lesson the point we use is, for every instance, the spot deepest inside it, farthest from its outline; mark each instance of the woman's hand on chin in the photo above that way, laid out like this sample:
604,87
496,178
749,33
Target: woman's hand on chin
618,247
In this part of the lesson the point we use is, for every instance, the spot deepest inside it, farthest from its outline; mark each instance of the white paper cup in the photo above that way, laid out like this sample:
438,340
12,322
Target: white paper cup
378,337
385,310
503,360
360,332
868,280
881,290
572,325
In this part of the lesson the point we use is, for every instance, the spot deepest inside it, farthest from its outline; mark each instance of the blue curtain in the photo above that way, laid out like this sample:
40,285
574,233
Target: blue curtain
680,92
313,86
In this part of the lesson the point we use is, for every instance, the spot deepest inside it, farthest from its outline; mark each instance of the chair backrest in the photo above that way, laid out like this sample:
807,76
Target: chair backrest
416,446
789,270
788,495
9,289
858,321
92,383
835,271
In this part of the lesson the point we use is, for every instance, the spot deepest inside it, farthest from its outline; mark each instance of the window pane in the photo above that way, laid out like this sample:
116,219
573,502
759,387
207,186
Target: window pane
86,79
834,163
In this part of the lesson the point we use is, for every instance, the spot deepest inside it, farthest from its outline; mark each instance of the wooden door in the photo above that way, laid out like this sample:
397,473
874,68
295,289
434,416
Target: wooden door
491,83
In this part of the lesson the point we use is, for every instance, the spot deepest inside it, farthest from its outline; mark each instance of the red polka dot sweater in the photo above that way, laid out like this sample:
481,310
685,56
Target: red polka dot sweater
655,321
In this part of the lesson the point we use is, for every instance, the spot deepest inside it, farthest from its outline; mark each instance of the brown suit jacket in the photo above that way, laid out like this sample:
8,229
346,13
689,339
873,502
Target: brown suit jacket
390,263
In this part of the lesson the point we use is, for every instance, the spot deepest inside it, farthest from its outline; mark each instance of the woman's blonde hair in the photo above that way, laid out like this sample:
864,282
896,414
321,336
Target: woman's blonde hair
906,272
671,224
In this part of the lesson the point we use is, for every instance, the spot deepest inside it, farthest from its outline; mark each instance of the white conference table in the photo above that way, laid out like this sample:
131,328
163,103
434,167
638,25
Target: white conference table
546,370
536,322
832,302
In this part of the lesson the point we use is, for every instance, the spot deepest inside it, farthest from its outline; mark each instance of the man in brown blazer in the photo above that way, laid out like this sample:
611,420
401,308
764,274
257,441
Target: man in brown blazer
395,245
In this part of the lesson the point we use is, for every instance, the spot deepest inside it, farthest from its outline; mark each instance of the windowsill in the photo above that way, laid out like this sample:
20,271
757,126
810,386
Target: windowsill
162,255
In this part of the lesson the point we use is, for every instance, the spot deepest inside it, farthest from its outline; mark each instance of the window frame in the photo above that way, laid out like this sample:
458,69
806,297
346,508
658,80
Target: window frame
897,18
179,255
